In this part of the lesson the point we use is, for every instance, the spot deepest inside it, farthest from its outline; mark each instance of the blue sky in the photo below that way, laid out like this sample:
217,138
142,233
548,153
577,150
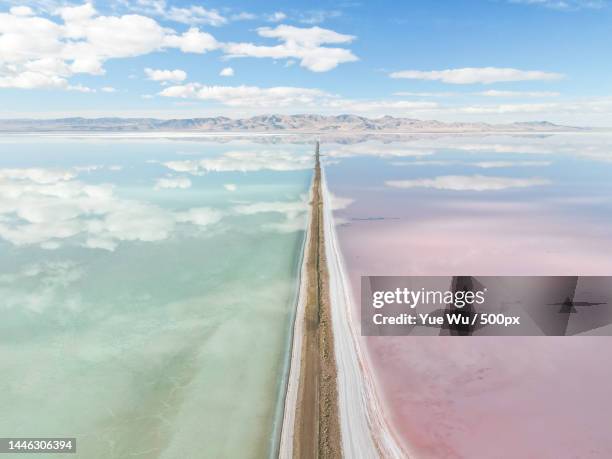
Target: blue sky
486,60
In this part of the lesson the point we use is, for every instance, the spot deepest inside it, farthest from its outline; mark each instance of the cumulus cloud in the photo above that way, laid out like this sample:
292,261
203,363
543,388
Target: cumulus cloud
173,182
304,44
46,51
192,41
37,52
468,183
227,72
471,75
49,208
244,161
165,75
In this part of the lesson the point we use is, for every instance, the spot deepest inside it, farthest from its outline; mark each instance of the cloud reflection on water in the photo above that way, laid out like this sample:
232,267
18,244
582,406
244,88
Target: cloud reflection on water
516,395
47,207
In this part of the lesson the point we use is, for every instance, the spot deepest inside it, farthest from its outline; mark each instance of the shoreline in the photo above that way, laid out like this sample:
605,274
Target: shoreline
284,387
285,449
365,430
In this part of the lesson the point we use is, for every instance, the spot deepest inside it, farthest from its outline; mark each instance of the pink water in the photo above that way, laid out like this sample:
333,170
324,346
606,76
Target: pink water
485,397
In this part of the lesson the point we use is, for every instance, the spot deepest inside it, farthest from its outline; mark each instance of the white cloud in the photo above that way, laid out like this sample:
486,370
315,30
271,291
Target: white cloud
195,15
88,168
227,72
294,213
108,89
376,149
277,16
201,216
468,183
44,52
51,279
192,41
244,161
504,108
21,11
31,80
481,164
49,208
572,112
425,163
290,208
80,88
295,98
365,106
305,44
497,93
311,37
318,16
338,202
471,75
173,182
37,175
425,94
488,93
243,16
230,187
246,96
499,164
165,75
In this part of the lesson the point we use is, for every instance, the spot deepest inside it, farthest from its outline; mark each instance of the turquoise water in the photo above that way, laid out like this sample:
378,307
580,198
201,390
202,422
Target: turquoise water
146,291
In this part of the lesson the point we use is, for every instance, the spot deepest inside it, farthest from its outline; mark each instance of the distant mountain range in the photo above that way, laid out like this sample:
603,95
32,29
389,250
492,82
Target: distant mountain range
270,123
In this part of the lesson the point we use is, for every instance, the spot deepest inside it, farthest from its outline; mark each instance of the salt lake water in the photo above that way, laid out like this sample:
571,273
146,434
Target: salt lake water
483,205
147,290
